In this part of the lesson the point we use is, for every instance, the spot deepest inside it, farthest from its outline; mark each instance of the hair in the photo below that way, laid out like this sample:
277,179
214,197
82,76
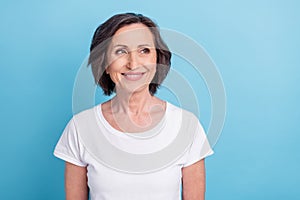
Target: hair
101,41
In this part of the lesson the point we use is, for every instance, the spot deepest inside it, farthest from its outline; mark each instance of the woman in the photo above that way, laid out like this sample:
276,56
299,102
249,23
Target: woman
129,58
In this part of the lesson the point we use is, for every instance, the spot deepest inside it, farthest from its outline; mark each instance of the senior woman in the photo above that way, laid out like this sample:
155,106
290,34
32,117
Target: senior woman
129,58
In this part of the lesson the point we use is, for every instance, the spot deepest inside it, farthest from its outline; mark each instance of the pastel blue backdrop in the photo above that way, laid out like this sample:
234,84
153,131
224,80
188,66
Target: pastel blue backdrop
255,45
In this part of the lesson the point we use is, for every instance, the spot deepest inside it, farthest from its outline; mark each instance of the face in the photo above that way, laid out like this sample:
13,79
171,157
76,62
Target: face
132,58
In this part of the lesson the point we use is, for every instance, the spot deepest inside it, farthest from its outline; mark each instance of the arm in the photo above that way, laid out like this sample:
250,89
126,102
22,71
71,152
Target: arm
76,182
193,181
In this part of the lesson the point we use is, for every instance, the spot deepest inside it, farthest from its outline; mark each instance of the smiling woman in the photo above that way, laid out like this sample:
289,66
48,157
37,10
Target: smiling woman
129,57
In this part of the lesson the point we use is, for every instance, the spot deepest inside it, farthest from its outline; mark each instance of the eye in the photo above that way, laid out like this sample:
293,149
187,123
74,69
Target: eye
121,51
145,51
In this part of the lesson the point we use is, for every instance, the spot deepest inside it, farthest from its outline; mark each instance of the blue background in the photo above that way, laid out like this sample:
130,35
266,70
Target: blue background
255,45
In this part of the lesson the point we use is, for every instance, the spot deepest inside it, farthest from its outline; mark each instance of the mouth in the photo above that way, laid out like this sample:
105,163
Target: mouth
133,76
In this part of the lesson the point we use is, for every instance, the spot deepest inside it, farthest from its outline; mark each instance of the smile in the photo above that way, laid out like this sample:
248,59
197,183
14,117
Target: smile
133,76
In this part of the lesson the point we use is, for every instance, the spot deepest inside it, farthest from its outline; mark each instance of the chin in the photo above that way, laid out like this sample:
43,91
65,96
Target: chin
135,89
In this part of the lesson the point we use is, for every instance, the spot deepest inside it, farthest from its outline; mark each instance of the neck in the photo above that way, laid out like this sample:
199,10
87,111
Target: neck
133,103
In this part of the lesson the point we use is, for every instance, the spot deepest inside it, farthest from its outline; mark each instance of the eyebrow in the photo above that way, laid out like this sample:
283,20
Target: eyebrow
123,45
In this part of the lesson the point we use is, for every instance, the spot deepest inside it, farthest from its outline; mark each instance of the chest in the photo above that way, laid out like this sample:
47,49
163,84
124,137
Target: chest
111,184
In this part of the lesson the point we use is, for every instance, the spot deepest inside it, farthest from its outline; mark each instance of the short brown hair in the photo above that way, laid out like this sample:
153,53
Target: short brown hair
101,41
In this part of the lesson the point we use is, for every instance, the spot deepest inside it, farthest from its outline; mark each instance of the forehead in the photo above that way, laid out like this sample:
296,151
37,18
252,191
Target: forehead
133,35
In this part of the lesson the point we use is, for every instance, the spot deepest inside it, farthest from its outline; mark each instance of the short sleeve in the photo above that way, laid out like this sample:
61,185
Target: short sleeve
200,147
68,147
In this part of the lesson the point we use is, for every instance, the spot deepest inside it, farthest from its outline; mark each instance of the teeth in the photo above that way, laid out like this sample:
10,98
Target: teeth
133,75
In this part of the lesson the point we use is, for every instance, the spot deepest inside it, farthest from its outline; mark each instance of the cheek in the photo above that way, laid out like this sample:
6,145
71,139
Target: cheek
116,64
153,62
115,77
113,73
153,58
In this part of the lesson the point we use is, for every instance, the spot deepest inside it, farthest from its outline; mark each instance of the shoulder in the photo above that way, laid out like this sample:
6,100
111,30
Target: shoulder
85,115
84,119
174,110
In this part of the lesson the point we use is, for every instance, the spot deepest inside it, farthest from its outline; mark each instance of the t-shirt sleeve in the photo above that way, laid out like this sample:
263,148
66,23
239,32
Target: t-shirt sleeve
200,147
68,147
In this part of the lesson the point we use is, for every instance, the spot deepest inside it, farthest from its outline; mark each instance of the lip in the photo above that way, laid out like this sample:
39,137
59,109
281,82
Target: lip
133,76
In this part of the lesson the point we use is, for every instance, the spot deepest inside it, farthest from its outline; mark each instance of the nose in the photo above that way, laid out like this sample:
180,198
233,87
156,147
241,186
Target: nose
133,61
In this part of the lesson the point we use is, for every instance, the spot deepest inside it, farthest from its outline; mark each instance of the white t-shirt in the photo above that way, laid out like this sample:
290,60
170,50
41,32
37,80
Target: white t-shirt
133,166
